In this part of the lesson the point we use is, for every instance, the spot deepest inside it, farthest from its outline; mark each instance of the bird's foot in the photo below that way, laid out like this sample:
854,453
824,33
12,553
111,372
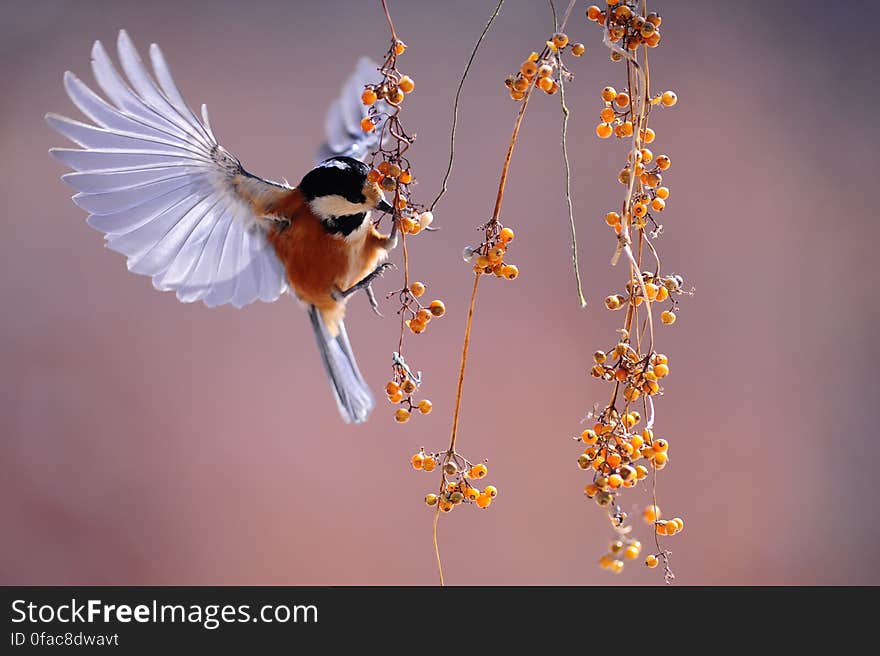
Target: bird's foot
366,285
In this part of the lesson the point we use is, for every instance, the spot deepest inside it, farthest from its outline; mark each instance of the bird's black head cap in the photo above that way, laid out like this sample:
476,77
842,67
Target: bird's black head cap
342,176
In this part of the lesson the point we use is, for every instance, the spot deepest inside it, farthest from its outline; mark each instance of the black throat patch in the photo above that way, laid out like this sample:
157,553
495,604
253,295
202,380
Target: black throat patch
344,225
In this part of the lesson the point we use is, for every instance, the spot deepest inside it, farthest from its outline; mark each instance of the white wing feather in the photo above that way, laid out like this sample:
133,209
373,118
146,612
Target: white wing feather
342,125
162,190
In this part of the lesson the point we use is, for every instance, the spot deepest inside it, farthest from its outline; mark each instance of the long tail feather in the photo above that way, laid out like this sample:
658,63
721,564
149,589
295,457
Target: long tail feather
353,397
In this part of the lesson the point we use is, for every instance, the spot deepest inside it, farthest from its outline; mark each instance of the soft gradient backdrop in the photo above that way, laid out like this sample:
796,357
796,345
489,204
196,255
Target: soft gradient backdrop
149,442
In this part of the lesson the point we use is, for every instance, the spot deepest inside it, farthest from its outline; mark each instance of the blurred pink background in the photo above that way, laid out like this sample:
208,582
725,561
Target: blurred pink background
149,442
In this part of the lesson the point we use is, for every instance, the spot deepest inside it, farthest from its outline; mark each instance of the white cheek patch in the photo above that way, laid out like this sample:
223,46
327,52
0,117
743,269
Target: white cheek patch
335,205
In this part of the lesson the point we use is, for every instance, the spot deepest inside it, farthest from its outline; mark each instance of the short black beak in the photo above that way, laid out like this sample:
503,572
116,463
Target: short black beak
383,206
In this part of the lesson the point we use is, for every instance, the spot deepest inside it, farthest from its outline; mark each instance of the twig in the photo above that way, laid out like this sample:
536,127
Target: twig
467,69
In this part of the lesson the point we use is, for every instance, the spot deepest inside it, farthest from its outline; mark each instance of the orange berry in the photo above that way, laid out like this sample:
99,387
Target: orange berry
437,308
368,97
431,499
661,369
658,204
401,416
648,135
406,84
615,480
613,459
417,289
590,490
663,162
396,397
491,491
603,130
392,388
668,317
612,218
425,406
578,49
367,124
621,99
423,316
478,471
546,84
631,552
641,472
626,130
395,97
589,437
647,155
520,84
679,523
659,460
609,94
560,39
662,192
593,13
669,98
484,500
506,235
399,47
651,561
429,464
660,446
446,506
418,460
662,294
528,69
510,271
405,177
545,70
607,115
652,513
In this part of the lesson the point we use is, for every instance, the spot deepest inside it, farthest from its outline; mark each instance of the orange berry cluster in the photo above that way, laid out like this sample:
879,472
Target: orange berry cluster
488,257
637,374
457,485
392,89
623,548
544,69
626,25
404,382
654,288
619,457
393,174
421,315
618,454
400,391
653,515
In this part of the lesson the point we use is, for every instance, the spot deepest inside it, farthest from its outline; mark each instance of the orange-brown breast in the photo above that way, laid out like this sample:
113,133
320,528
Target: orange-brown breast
318,263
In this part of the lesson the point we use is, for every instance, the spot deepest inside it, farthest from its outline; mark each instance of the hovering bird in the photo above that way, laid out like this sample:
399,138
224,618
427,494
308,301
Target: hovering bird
183,210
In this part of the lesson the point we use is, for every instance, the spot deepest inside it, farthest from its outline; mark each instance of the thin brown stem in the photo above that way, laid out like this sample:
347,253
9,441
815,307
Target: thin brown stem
464,353
467,69
513,138
436,546
390,22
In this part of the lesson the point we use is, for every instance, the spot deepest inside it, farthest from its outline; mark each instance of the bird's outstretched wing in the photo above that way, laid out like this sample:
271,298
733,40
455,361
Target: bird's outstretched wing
342,125
163,191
